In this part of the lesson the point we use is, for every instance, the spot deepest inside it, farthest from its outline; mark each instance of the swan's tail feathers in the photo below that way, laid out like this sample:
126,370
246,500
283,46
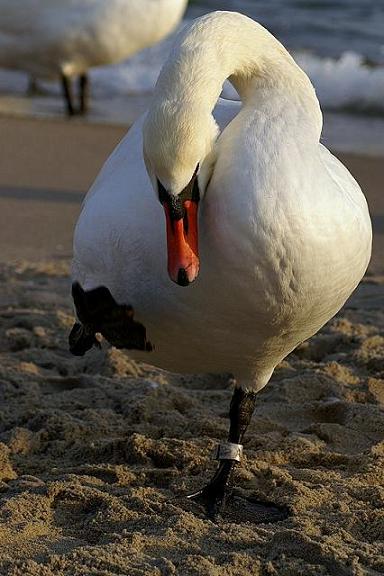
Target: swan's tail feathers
98,312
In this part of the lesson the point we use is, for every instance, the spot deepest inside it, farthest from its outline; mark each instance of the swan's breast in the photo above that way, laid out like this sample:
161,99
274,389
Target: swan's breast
293,242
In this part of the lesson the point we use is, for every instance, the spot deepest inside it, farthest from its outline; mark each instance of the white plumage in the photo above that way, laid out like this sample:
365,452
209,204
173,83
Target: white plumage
285,234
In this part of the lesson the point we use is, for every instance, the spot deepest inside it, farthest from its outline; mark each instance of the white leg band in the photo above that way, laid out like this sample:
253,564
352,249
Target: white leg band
229,451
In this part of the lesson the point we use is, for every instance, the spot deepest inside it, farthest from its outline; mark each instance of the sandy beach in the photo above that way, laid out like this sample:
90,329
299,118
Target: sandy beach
97,453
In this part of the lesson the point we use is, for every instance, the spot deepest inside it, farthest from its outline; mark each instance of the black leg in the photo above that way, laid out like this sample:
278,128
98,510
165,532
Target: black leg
33,87
84,94
240,414
68,94
214,494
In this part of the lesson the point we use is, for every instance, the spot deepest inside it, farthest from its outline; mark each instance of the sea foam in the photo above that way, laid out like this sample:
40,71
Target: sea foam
347,83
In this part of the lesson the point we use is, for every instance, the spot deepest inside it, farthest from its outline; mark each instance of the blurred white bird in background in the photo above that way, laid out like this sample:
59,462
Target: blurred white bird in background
64,38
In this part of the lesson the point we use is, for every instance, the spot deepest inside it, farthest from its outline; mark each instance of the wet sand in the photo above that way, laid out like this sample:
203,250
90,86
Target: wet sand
97,453
46,166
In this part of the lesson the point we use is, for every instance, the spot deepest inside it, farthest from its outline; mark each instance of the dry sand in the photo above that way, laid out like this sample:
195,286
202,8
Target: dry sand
97,453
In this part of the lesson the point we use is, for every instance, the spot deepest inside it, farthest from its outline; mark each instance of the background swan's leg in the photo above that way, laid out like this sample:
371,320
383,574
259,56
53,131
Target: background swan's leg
33,87
84,94
68,94
214,494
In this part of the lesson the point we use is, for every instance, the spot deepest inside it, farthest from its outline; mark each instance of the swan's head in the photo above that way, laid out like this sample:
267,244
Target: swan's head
178,151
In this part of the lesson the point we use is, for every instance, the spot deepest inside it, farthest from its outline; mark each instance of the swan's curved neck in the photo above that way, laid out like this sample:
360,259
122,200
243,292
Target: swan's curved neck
229,45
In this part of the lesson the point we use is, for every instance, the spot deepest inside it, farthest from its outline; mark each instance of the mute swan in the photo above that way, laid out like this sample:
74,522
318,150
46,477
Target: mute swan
63,38
284,229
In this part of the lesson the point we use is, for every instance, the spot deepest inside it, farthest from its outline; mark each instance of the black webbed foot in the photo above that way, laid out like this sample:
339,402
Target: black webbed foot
214,495
211,499
225,505
81,339
220,501
98,311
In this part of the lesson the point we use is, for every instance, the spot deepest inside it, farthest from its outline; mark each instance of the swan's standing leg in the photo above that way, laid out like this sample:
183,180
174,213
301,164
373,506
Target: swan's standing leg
68,94
84,94
213,495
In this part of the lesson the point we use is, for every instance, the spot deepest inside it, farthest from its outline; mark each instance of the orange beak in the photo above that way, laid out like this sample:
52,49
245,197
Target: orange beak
182,243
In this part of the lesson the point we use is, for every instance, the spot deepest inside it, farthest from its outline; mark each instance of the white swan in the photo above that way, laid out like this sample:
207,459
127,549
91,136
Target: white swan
285,233
52,38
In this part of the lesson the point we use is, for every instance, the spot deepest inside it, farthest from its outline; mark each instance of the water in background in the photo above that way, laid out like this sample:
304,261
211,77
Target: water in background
339,43
325,27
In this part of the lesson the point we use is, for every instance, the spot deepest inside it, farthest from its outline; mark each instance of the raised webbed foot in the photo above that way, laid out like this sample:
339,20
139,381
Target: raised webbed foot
81,339
98,312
